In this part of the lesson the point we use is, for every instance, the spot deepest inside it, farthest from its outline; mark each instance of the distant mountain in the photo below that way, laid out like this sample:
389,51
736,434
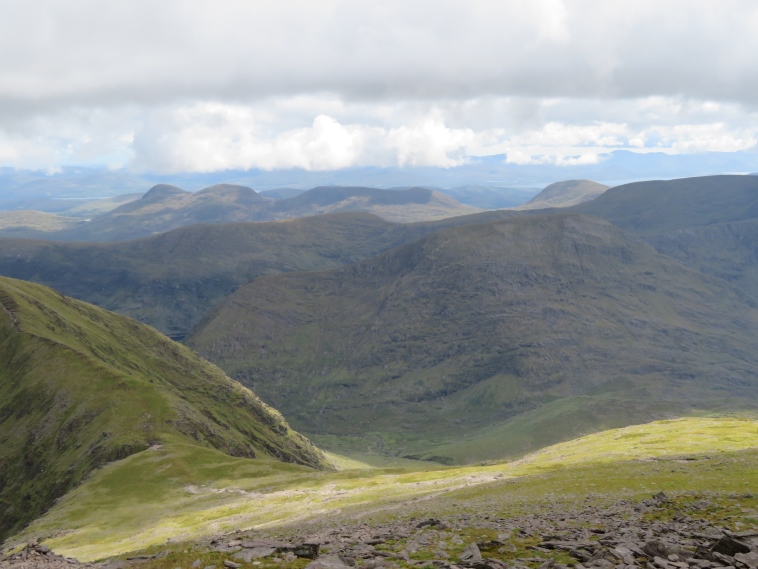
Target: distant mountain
412,204
169,280
565,194
282,193
544,326
167,207
81,387
488,197
26,189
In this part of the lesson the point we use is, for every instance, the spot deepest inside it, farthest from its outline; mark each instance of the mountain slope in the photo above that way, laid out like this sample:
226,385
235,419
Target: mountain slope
80,387
658,206
708,223
565,194
527,319
169,280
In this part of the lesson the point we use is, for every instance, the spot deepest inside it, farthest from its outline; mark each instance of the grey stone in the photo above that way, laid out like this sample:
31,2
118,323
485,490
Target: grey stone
247,555
728,545
750,559
471,553
327,562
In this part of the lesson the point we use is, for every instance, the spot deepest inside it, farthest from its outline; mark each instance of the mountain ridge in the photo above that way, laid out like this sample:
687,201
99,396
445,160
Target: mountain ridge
81,387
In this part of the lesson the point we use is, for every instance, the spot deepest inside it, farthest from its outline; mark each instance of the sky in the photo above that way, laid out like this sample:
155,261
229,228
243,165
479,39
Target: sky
204,86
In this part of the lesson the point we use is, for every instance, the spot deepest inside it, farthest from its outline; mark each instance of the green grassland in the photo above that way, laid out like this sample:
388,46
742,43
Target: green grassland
181,492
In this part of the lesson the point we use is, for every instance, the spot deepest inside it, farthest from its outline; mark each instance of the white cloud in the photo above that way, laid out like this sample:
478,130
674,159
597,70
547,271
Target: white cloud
320,85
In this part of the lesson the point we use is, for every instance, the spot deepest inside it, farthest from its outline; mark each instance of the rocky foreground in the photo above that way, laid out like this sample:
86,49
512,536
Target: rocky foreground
658,533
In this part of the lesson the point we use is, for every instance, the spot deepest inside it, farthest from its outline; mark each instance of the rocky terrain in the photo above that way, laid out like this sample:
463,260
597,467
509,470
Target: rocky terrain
662,532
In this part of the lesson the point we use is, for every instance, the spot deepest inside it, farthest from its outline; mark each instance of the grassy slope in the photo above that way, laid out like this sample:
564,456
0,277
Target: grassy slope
80,387
188,492
170,280
552,327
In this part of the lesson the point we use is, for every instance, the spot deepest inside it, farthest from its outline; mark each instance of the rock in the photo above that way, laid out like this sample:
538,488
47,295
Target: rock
195,564
656,548
728,545
231,564
328,562
247,555
431,522
306,550
660,498
750,559
471,553
624,554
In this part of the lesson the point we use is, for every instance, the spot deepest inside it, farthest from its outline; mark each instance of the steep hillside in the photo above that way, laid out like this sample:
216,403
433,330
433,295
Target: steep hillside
546,326
565,194
169,280
81,387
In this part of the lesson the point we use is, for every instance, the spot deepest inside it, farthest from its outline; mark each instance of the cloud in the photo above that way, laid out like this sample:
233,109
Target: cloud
205,85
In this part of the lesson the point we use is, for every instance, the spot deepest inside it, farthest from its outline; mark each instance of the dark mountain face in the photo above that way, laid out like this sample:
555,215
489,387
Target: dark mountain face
474,326
656,207
170,280
707,223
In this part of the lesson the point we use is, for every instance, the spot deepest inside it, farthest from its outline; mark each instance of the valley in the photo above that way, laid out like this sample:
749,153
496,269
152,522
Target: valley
492,372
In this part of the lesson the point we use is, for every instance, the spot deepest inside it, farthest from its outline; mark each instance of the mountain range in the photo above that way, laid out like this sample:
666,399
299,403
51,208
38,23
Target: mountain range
560,319
171,279
464,339
166,207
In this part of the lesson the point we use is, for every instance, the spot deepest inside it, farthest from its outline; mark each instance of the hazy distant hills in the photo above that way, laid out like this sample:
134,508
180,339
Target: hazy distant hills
565,194
21,222
80,387
544,326
167,207
490,197
169,280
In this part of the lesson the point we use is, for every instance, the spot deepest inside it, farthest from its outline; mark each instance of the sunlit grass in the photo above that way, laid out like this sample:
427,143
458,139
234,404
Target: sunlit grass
181,492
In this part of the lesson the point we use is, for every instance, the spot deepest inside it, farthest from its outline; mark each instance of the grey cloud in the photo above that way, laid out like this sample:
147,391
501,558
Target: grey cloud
144,51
